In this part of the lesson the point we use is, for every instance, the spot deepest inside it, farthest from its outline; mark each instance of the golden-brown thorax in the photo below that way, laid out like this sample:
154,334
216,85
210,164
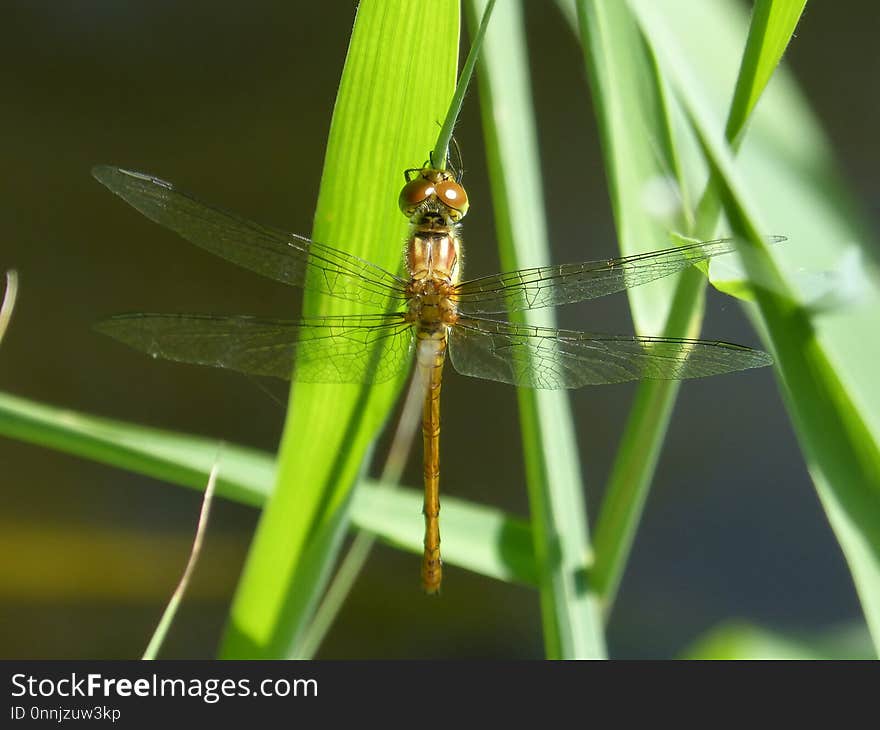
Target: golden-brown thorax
434,202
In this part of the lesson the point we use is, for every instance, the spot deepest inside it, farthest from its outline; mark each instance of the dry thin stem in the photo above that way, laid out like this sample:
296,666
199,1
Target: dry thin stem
8,301
170,610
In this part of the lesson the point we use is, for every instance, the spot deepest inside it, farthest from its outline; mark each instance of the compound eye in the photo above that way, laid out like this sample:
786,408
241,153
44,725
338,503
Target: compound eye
414,193
453,195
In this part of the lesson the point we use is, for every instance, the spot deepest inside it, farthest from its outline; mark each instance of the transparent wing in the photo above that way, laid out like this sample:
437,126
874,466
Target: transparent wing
345,349
540,357
276,254
548,286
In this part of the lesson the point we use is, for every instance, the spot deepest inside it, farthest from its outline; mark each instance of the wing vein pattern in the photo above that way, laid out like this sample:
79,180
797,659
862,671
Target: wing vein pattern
547,286
539,357
273,253
344,349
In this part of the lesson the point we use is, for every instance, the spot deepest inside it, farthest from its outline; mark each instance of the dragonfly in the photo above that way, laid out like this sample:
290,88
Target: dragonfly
426,315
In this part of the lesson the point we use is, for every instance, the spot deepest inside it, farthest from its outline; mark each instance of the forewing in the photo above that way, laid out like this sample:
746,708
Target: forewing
539,357
276,254
346,349
548,286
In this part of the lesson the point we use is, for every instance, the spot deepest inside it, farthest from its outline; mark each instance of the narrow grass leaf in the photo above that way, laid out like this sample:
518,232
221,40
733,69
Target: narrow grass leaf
572,622
825,360
441,147
398,79
480,538
841,452
630,100
168,456
636,458
358,551
770,31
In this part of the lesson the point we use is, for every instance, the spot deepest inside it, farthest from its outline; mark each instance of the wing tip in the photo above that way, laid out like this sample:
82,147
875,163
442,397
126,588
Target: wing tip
751,357
103,173
762,359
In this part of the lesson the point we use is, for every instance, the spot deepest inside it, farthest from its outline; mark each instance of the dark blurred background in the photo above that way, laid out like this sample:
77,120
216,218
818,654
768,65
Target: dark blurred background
233,104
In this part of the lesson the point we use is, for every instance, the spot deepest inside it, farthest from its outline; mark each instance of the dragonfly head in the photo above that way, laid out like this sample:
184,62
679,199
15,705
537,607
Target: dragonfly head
433,193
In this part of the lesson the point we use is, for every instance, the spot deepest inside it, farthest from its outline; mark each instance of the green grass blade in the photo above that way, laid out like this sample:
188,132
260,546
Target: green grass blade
739,640
827,363
398,79
629,97
572,622
772,27
480,538
359,550
636,137
477,537
842,453
636,458
627,75
177,458
770,30
441,147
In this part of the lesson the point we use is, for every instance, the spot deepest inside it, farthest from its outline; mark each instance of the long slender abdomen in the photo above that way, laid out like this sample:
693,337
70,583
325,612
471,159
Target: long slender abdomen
432,353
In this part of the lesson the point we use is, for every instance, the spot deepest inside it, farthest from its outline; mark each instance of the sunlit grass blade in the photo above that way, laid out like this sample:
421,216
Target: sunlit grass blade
770,31
480,538
176,458
826,362
629,99
398,79
739,640
358,552
572,622
477,537
636,458
841,451
632,110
